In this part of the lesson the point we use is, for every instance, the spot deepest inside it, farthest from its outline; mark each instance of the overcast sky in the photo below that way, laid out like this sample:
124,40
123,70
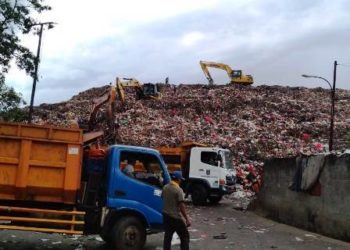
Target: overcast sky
274,40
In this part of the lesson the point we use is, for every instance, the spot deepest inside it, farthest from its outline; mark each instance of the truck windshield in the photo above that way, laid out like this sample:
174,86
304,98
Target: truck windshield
228,160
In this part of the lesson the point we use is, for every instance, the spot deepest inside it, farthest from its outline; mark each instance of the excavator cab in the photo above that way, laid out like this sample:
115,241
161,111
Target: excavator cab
237,73
147,90
151,90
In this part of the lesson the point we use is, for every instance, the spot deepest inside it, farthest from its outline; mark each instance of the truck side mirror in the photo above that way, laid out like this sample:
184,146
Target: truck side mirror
219,159
220,163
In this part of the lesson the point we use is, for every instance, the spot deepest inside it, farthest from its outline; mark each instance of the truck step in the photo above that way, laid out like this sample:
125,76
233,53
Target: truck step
42,220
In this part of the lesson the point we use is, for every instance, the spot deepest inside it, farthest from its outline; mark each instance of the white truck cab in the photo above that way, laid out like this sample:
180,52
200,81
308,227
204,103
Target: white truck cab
211,174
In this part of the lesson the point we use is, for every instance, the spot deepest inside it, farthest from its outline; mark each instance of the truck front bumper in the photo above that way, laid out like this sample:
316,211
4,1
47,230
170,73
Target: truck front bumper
225,189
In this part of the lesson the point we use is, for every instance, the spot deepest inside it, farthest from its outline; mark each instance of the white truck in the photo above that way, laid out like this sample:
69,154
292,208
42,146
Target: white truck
208,171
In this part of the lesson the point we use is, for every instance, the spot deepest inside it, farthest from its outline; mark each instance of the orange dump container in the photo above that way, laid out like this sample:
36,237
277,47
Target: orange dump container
39,163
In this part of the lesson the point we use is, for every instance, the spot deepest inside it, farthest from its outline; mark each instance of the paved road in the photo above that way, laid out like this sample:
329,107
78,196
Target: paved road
235,230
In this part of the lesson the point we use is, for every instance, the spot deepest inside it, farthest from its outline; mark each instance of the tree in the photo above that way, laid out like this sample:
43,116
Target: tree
15,20
10,102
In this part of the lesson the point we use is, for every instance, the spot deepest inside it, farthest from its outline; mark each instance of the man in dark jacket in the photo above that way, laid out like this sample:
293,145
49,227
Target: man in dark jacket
175,218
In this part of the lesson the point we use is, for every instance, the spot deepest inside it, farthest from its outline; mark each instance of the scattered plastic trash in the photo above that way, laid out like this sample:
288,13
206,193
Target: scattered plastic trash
220,236
310,235
204,235
56,242
75,237
195,239
175,240
259,231
98,238
299,239
80,247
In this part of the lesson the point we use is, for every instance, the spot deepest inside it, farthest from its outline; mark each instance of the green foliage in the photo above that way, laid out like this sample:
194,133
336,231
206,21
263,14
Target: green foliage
10,102
15,19
347,139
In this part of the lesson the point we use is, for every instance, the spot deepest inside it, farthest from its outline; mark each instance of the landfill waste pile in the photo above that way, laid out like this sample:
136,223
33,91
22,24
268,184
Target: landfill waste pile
255,123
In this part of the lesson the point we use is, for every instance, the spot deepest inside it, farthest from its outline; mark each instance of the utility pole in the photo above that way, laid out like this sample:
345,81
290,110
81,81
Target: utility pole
36,66
331,132
332,95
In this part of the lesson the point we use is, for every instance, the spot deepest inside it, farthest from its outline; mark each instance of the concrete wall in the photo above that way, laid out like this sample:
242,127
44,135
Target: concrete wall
328,214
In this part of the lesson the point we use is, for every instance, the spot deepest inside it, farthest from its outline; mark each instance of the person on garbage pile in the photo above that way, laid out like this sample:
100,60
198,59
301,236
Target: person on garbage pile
175,218
129,169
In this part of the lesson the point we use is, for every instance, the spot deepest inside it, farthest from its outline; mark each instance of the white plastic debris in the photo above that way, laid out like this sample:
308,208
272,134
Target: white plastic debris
299,239
98,238
56,242
175,240
310,235
80,247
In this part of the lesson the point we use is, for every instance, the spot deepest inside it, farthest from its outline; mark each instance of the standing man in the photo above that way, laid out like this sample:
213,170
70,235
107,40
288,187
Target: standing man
175,218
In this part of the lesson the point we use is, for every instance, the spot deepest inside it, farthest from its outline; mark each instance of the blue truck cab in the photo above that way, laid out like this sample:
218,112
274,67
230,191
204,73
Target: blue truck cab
124,206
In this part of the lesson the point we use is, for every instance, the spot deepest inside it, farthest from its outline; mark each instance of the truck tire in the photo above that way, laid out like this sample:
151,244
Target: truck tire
128,233
199,195
215,199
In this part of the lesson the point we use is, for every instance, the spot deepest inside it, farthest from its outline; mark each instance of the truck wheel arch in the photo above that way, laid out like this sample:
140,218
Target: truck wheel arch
199,190
194,181
116,215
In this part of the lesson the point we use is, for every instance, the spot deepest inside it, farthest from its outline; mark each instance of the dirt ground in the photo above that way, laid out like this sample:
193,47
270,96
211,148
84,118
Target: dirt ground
214,227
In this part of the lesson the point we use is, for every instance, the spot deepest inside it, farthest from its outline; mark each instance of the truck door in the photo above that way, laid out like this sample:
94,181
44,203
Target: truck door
209,159
204,165
139,186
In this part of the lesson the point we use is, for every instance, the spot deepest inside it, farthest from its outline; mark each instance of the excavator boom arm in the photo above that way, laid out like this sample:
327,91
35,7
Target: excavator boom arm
205,65
234,75
109,98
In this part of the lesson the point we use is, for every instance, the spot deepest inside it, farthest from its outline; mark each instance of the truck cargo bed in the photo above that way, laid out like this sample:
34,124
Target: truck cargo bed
39,163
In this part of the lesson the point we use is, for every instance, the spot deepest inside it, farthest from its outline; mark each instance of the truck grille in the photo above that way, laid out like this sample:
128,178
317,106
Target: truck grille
230,180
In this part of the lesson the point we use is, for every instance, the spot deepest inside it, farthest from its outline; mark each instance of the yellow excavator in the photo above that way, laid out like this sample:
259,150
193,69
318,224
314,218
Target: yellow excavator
143,91
116,92
236,76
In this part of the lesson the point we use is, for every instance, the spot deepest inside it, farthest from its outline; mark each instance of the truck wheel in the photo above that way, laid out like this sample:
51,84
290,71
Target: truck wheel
199,195
128,233
215,199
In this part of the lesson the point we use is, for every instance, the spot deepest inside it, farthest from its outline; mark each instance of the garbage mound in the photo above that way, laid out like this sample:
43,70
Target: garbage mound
255,122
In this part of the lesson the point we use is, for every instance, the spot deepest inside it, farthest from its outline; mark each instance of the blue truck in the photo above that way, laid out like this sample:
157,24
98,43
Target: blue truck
51,183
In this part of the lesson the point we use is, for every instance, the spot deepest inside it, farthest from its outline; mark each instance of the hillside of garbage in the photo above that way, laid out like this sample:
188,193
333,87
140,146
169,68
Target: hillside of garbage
255,123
